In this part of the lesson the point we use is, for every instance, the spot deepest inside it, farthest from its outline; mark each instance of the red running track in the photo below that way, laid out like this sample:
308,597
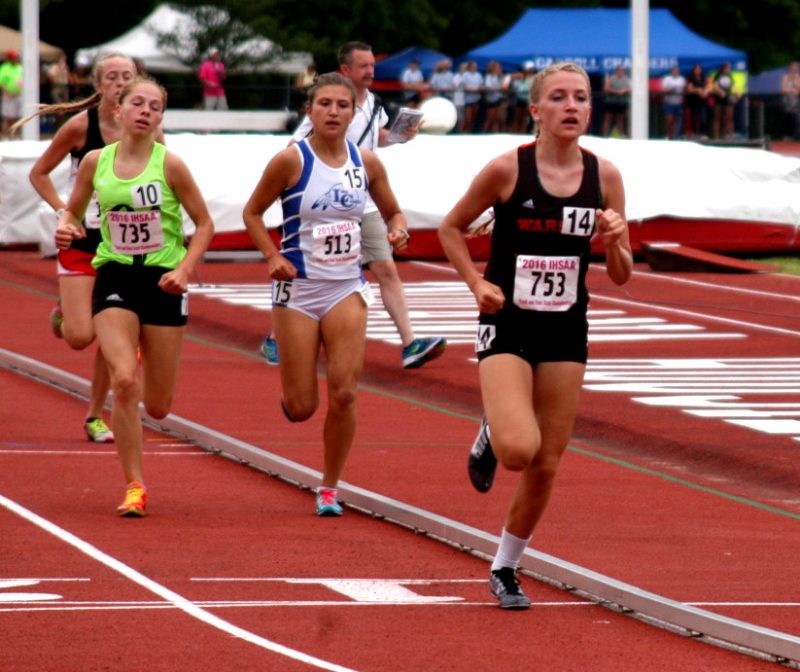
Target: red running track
649,495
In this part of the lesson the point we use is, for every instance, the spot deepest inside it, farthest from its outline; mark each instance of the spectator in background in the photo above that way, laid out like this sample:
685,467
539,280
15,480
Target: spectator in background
494,97
81,80
790,88
696,102
459,96
442,82
58,80
617,90
55,90
11,86
302,83
305,80
472,82
673,86
521,96
413,82
721,92
212,74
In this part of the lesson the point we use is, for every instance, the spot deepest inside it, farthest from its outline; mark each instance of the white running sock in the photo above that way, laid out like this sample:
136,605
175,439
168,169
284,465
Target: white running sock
510,550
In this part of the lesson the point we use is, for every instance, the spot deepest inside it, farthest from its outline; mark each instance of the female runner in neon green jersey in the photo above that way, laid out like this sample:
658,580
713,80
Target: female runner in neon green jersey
143,267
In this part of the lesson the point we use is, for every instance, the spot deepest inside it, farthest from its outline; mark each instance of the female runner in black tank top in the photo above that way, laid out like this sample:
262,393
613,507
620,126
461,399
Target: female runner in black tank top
549,198
93,125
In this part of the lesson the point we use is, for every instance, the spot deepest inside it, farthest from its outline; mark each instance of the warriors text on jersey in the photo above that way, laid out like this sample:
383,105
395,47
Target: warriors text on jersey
321,230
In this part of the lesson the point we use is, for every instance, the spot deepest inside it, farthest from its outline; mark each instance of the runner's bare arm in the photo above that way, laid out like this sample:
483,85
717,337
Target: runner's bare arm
612,225
488,187
282,171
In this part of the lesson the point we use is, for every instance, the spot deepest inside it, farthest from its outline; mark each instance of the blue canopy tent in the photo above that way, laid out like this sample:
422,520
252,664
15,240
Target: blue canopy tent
768,81
600,39
392,66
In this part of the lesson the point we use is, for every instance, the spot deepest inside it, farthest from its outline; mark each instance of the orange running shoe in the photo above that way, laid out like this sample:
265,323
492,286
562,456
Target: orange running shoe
134,502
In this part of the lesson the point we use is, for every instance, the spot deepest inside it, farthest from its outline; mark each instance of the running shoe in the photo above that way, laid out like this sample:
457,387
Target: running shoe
505,587
326,503
269,350
135,499
482,463
423,350
98,431
56,320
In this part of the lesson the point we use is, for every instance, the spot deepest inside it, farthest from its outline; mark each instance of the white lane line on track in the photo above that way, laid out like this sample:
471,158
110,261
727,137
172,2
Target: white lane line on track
95,605
697,315
600,268
250,604
39,579
710,285
289,579
159,453
163,592
443,314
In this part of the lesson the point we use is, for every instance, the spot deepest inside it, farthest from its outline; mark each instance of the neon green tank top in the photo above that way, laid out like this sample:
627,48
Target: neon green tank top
141,219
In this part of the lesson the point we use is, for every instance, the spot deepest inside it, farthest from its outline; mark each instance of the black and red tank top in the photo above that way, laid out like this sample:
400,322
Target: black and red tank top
541,243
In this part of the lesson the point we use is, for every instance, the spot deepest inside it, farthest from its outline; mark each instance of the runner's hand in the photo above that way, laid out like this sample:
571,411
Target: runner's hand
399,239
489,297
610,225
279,268
175,281
66,232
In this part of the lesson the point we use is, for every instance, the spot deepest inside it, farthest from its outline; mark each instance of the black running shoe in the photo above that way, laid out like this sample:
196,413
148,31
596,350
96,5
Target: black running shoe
482,463
505,587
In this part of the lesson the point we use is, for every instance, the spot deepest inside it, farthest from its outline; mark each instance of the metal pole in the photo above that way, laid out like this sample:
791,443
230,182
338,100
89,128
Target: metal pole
640,68
29,10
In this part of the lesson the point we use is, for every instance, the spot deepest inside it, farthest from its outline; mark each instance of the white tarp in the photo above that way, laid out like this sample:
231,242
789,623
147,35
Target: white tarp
142,42
428,175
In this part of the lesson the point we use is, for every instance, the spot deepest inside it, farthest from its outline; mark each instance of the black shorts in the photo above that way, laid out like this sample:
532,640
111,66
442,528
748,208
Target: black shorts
616,108
536,338
135,288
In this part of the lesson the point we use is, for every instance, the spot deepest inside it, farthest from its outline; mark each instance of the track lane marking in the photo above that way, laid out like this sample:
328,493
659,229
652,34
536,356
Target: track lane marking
451,312
249,604
159,453
171,597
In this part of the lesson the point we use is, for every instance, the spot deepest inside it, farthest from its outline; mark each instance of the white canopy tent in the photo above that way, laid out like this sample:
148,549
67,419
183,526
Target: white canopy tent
142,42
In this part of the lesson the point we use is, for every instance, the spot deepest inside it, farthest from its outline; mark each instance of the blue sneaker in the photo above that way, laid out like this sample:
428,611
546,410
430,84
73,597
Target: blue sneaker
326,503
422,350
269,350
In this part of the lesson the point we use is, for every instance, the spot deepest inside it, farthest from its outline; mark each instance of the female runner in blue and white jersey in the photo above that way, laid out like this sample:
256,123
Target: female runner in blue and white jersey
550,197
318,290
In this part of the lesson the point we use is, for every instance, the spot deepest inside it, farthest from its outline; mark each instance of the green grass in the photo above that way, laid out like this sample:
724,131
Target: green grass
787,264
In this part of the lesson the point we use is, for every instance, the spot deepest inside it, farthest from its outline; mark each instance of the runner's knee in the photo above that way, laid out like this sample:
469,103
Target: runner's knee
77,339
299,410
158,408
